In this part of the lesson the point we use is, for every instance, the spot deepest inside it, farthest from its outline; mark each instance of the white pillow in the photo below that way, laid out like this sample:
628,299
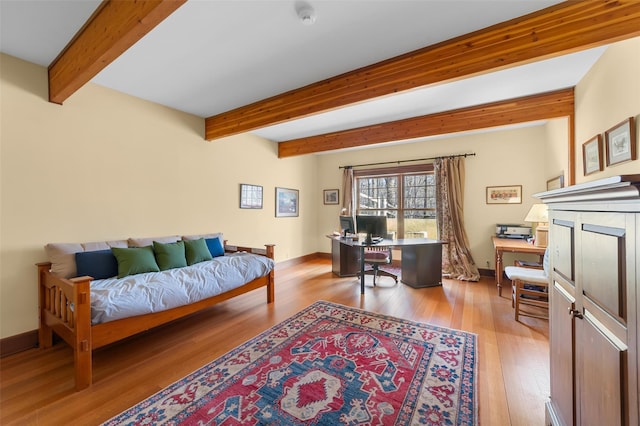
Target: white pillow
143,242
63,255
205,236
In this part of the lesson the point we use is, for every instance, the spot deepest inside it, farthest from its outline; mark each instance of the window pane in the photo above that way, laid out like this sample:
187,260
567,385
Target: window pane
420,224
410,214
419,192
378,192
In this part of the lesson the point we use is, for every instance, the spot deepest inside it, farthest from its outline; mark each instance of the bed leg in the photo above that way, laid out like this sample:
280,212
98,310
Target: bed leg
45,333
272,281
84,373
45,336
270,289
82,347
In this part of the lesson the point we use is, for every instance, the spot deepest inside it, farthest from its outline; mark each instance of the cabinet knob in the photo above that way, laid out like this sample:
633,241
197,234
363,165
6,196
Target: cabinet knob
574,313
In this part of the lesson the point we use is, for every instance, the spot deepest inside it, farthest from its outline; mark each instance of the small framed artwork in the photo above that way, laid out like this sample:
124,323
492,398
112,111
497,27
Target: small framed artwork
330,196
592,155
620,141
250,196
555,183
511,194
287,202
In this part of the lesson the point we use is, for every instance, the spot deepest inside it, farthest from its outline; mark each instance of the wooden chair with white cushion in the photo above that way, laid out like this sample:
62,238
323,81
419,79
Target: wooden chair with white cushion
530,289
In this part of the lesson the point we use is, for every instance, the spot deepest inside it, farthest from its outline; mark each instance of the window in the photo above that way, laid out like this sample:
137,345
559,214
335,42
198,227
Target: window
405,195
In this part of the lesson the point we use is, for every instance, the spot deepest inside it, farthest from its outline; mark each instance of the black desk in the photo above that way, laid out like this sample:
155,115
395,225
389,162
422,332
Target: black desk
344,259
421,259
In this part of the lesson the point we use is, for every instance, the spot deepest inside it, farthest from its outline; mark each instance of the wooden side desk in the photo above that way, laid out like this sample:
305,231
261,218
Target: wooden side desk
510,245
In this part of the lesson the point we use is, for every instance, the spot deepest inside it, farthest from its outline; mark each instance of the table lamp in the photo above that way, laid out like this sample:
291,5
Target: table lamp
539,215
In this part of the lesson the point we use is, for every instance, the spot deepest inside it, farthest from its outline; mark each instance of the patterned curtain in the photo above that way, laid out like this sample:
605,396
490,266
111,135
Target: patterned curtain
347,192
457,261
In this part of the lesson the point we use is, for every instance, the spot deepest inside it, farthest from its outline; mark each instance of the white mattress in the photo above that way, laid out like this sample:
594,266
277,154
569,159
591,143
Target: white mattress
117,298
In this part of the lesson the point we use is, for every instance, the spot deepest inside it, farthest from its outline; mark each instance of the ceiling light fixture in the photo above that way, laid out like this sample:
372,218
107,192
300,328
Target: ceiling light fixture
306,13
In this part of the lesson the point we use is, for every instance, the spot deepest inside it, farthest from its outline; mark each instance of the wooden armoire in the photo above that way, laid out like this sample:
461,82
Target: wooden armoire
594,252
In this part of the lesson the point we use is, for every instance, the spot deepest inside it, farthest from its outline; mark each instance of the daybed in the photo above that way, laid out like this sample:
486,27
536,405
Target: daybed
90,313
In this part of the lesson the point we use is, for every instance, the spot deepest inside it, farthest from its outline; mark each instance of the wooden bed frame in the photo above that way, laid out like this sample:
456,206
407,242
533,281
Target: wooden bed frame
57,295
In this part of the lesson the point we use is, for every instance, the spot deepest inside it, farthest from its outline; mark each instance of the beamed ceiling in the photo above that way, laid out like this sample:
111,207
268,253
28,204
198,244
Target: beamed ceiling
556,31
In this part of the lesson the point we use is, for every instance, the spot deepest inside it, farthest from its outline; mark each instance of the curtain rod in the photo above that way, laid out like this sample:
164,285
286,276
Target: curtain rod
407,161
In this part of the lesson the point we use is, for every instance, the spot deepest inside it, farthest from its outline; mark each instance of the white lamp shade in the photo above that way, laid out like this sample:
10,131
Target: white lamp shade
537,213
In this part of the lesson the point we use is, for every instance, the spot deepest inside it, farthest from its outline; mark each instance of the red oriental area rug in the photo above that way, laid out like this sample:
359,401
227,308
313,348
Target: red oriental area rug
328,365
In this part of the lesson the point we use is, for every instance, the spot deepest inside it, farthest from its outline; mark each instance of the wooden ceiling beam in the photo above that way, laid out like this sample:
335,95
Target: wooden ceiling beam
513,111
561,29
112,29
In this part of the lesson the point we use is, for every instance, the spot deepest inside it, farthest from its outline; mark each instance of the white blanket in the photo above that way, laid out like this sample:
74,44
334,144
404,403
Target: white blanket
117,298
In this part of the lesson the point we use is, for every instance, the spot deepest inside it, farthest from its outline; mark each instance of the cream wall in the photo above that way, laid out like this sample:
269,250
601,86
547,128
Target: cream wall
503,157
556,150
106,166
608,94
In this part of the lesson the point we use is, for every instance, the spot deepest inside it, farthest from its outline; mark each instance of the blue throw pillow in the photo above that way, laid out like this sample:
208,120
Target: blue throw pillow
215,247
99,264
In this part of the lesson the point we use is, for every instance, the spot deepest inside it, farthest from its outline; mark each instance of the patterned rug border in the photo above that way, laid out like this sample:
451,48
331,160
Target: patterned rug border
471,346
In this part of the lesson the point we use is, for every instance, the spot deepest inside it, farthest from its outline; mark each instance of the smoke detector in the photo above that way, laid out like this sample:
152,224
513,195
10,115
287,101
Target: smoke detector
306,13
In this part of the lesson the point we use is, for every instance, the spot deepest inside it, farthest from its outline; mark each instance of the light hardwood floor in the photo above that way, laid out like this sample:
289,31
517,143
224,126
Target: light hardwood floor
36,386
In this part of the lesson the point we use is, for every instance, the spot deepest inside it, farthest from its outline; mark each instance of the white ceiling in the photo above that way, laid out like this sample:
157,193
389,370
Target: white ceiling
211,56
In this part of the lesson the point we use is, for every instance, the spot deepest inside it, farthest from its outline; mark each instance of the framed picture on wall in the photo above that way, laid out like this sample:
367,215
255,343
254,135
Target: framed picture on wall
592,155
620,141
555,183
250,196
286,202
330,196
511,194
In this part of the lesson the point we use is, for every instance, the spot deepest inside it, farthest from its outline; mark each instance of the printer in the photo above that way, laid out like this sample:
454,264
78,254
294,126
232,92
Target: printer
521,232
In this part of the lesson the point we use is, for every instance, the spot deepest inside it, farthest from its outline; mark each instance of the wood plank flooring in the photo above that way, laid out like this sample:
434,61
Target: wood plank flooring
37,388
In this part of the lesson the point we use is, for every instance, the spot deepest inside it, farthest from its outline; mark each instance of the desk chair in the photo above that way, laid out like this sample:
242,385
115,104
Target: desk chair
530,288
376,256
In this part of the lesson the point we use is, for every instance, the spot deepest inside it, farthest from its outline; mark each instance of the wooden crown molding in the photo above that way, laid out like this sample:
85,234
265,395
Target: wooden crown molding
113,28
512,111
568,27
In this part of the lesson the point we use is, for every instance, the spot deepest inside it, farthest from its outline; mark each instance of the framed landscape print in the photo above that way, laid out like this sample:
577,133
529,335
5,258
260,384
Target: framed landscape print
620,141
511,194
286,202
250,196
592,155
330,196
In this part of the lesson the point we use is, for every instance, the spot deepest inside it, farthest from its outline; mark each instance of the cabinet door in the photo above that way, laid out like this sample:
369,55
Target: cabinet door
605,295
562,244
561,343
561,322
602,384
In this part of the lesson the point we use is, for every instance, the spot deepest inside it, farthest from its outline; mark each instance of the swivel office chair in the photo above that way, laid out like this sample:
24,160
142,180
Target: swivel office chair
376,256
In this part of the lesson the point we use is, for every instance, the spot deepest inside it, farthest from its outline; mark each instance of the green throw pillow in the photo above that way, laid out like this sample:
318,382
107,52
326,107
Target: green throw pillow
170,255
197,251
135,260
